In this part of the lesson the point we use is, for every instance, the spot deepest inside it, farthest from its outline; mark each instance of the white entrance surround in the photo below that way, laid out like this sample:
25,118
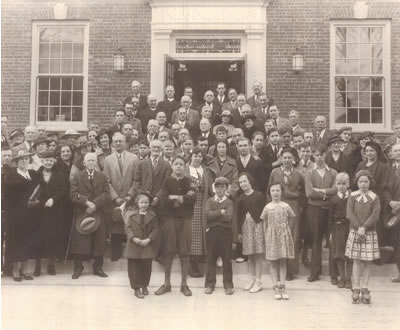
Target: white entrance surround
244,19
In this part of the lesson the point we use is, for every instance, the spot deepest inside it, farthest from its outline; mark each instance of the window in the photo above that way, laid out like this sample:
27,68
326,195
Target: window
360,75
59,80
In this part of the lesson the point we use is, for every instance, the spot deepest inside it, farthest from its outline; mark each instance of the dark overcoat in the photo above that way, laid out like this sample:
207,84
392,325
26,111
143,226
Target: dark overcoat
142,230
98,192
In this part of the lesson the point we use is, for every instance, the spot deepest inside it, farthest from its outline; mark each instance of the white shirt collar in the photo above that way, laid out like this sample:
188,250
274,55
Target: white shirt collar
363,198
171,99
346,194
326,168
219,200
24,174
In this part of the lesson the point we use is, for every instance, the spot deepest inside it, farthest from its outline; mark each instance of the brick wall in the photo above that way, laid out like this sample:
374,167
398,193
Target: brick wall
305,24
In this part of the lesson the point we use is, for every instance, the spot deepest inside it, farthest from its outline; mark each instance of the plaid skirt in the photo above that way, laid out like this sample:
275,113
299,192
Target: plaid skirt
197,246
362,249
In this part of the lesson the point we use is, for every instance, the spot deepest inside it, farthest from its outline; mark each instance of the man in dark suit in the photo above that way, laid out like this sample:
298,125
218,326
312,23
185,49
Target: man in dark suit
254,100
279,121
321,134
131,110
119,119
215,107
136,87
238,113
169,105
232,103
221,98
89,193
348,146
188,91
148,112
206,131
161,119
30,137
294,118
272,152
192,116
261,111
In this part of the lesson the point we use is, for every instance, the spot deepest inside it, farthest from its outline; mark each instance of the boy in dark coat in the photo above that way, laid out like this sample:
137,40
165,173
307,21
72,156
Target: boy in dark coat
219,214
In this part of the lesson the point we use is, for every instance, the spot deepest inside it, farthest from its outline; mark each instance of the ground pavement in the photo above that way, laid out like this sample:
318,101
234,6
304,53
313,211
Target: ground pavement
90,302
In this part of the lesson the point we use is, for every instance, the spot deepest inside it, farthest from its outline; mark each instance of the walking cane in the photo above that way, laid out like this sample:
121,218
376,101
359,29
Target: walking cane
70,238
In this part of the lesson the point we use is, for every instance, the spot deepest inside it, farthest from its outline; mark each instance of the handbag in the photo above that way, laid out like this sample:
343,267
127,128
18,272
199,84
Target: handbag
33,200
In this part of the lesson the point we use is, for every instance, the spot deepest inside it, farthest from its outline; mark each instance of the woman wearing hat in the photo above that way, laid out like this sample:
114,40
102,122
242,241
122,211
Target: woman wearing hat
359,151
16,138
53,192
39,147
104,150
226,118
20,183
378,170
81,149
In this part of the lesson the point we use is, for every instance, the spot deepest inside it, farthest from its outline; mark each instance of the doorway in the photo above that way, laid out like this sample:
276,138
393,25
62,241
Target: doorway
204,75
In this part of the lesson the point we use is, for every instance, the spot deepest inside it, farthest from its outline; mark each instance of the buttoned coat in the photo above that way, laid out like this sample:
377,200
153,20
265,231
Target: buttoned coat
258,112
121,184
98,192
148,229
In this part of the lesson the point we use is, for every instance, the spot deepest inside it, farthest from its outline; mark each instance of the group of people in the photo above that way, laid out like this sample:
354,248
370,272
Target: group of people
175,178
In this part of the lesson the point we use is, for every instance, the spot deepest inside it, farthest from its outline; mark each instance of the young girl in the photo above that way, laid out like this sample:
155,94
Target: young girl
362,246
279,245
339,229
250,228
142,243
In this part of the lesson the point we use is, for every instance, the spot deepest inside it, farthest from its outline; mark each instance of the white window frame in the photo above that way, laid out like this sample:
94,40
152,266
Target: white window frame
386,126
58,125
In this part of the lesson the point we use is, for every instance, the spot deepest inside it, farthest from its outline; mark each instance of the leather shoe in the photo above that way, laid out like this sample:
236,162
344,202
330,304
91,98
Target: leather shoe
312,278
139,294
163,289
334,281
186,291
208,290
229,291
100,273
17,278
77,273
289,277
27,277
145,291
51,270
306,262
396,280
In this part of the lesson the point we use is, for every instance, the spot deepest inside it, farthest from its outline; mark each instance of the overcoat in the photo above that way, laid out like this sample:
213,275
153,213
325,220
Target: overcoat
148,229
98,192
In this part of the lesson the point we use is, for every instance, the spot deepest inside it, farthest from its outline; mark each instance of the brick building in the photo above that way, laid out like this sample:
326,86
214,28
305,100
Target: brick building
58,57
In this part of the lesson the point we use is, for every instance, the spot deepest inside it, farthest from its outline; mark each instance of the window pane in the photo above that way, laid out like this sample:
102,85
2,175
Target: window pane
340,66
77,66
340,83
43,98
340,99
376,66
352,34
352,84
43,83
66,112
55,66
376,34
377,117
44,50
340,115
352,99
365,51
44,66
340,34
54,98
78,83
50,34
377,51
67,50
364,84
42,114
72,34
55,50
77,98
76,114
364,34
376,84
352,51
352,115
66,83
365,116
55,83
376,100
54,111
365,99
66,98
340,51
352,66
365,66
78,51
66,66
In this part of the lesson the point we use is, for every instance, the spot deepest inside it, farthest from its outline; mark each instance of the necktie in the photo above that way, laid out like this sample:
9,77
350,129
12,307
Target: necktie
398,171
121,165
220,100
155,162
275,123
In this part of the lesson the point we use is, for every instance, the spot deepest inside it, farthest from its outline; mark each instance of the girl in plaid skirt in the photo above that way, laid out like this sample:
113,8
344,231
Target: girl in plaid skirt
363,208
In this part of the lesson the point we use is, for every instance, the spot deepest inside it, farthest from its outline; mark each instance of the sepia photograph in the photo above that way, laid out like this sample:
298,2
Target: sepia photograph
200,164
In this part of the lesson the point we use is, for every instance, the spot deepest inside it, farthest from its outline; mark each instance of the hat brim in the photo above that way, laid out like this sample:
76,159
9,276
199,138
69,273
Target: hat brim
89,229
29,154
72,134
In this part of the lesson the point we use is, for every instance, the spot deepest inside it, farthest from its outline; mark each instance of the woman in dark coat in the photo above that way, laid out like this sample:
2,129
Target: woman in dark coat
20,185
104,142
53,192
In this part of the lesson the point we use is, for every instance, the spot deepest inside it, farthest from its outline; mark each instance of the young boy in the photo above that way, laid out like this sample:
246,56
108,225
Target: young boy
339,231
219,214
144,149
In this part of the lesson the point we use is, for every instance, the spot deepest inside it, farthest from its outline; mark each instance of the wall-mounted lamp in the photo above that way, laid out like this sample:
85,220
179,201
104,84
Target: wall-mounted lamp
119,61
298,61
182,67
233,66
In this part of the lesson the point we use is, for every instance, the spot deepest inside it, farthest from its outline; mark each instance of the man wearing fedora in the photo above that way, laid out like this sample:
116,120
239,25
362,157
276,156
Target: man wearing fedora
30,136
391,197
89,193
119,168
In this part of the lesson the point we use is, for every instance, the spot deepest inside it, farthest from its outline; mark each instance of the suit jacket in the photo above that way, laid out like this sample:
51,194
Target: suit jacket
349,149
98,192
4,141
236,118
228,106
258,112
224,100
216,111
168,107
192,120
283,122
115,128
19,147
229,170
211,138
324,140
142,100
343,164
145,114
391,140
149,179
251,101
136,124
269,157
257,170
